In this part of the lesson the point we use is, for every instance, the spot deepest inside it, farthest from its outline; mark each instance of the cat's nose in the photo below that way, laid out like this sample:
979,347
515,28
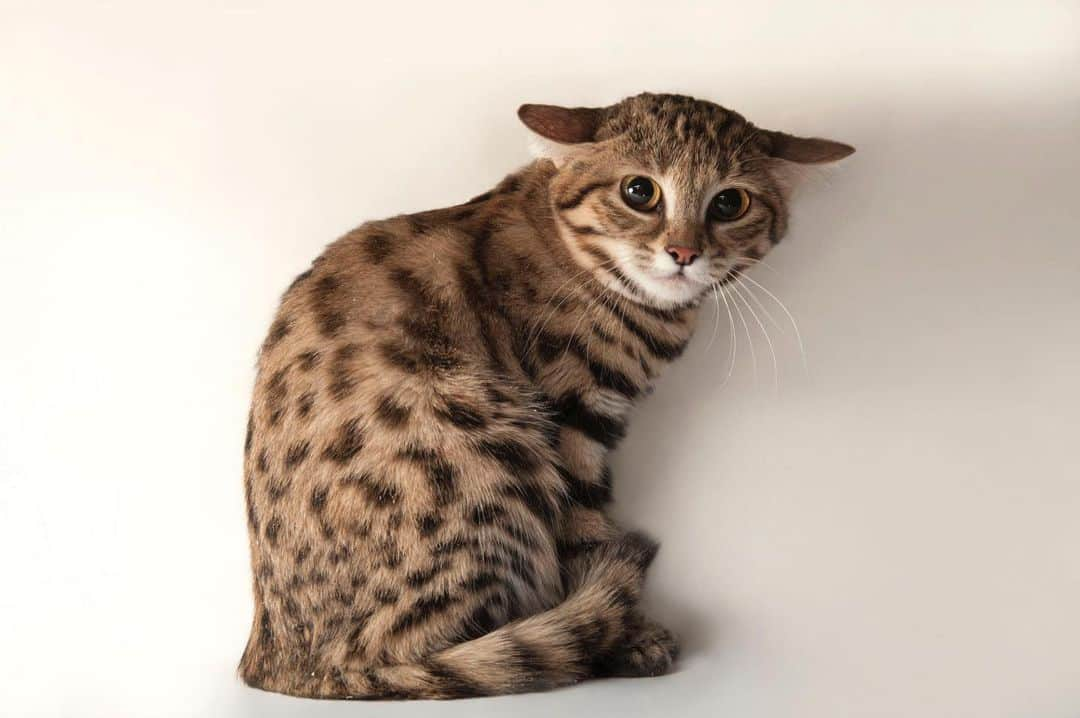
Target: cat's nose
683,256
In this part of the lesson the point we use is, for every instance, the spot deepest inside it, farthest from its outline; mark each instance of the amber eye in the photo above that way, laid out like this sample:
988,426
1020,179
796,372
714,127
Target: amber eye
729,204
641,193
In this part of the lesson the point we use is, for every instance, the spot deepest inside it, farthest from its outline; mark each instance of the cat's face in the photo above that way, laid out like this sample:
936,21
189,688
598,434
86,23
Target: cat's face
661,197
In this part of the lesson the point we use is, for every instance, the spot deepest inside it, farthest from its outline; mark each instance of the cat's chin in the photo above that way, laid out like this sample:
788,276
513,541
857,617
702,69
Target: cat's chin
670,291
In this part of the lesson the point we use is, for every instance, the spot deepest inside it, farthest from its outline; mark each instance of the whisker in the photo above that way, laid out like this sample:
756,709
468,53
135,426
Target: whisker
776,367
746,328
539,327
734,340
794,324
749,290
716,320
573,332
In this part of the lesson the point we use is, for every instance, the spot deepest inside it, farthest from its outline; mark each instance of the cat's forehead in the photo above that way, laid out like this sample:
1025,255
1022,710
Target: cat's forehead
677,131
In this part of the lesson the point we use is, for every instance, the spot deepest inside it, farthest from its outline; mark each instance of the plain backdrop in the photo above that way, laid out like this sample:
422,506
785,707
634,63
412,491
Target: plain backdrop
889,528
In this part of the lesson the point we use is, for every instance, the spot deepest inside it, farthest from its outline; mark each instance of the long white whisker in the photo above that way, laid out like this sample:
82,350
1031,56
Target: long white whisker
734,340
768,340
716,320
768,315
746,328
794,324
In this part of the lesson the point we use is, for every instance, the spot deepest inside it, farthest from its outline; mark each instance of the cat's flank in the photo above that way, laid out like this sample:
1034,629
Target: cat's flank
426,457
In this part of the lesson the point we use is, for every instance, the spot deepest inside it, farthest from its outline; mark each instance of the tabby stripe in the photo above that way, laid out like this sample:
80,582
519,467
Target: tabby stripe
588,494
453,545
612,379
529,662
514,456
462,416
380,493
423,609
535,499
581,194
510,558
582,228
451,683
571,411
478,582
418,579
624,280
548,346
657,347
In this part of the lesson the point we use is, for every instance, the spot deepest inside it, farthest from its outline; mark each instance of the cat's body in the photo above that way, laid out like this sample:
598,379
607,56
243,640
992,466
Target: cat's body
426,461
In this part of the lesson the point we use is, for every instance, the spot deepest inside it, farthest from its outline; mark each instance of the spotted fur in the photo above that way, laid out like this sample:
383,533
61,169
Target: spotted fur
426,469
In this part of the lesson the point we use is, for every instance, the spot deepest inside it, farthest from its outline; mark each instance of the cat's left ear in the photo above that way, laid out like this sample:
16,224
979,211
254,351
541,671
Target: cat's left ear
806,150
557,130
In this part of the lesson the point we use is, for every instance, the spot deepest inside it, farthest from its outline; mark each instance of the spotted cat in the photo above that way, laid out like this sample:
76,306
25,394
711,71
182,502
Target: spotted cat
426,461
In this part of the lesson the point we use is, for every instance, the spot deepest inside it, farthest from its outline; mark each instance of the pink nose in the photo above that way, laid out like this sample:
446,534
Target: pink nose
683,255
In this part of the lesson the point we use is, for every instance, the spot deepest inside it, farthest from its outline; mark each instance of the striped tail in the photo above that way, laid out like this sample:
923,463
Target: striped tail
546,650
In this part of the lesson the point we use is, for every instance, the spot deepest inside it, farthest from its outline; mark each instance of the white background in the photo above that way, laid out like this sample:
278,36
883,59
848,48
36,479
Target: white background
892,530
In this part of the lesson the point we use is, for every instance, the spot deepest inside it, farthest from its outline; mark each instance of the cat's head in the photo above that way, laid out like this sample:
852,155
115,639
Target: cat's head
663,196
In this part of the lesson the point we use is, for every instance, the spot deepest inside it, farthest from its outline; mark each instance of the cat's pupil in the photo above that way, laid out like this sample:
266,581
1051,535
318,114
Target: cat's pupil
726,204
639,191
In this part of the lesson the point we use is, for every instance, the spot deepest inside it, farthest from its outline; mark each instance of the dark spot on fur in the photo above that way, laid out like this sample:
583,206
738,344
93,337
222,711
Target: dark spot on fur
305,404
513,455
423,609
341,380
308,360
276,394
479,581
278,331
441,475
377,490
418,579
462,415
428,524
266,633
379,246
391,412
347,444
318,498
325,305
276,488
297,453
273,529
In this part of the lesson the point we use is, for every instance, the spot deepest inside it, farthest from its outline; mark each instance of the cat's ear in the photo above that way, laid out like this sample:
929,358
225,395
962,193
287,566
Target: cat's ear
558,129
806,150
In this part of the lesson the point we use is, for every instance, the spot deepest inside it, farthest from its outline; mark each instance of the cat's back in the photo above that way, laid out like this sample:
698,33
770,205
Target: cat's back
380,328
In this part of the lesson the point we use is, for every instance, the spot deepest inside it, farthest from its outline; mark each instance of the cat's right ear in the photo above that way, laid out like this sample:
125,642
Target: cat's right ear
557,130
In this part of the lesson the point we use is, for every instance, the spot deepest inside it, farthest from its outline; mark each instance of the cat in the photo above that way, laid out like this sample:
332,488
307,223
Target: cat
426,468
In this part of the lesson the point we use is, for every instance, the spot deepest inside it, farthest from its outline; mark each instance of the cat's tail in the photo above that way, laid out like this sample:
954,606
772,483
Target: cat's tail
546,650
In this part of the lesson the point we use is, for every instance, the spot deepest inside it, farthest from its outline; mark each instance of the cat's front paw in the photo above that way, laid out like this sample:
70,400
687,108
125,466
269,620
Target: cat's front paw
650,650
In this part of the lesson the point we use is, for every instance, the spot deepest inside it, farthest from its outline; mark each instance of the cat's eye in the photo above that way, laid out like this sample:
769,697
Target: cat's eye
641,193
729,205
